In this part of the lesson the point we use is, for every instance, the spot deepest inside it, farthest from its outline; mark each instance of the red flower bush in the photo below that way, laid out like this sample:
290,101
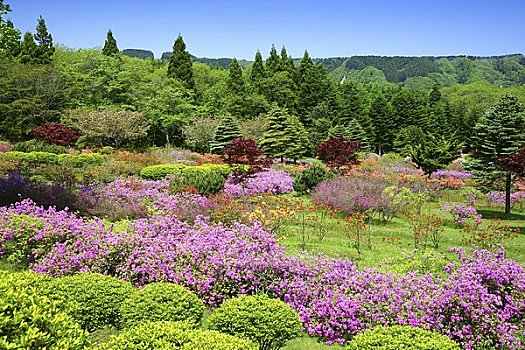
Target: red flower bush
56,133
338,152
244,151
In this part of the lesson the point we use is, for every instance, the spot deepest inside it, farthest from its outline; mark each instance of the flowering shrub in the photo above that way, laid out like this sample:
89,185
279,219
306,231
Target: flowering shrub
267,181
517,199
355,195
463,214
489,237
5,146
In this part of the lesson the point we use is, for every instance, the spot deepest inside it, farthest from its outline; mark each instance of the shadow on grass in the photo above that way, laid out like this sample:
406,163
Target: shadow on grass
496,214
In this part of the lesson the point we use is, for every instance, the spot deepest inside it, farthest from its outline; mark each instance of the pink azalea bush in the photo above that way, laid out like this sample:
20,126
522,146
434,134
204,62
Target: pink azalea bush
266,181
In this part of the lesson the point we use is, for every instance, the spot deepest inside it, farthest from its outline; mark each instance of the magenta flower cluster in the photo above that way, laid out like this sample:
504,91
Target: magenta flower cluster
462,213
266,181
479,301
452,173
498,198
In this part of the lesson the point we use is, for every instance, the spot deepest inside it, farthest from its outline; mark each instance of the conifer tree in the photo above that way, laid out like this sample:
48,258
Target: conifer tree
298,136
434,96
499,133
227,130
180,65
286,63
273,61
235,81
381,116
28,49
258,71
110,45
44,41
353,131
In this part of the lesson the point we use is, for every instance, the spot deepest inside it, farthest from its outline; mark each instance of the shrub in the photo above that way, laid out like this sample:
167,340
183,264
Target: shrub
5,146
310,178
268,322
92,299
401,337
39,146
31,321
244,151
208,178
338,151
56,133
267,181
173,336
162,302
41,158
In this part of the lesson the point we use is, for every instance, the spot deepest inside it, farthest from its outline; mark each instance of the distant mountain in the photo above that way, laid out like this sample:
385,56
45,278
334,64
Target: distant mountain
214,62
138,53
414,72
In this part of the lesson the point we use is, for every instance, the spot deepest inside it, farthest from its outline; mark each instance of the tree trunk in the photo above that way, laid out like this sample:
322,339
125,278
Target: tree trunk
167,139
508,182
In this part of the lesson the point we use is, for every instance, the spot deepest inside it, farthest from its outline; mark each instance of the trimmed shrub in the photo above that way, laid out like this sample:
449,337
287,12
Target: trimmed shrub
209,178
42,158
310,178
39,146
266,321
161,302
401,338
92,299
31,321
173,336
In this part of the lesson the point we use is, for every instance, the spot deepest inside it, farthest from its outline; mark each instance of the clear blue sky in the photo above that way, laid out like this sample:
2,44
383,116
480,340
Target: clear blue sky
325,28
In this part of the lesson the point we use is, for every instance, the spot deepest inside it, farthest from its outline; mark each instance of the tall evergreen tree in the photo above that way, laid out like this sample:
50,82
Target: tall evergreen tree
499,133
9,39
286,62
381,116
273,61
110,45
180,65
44,41
434,96
258,71
227,130
235,81
299,137
29,49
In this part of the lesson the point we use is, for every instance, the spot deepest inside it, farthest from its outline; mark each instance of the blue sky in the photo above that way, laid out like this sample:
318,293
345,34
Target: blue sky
325,28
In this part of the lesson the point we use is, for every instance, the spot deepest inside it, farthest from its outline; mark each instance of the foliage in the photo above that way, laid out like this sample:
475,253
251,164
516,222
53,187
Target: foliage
199,134
92,299
180,65
401,337
432,153
490,237
310,178
254,318
243,151
338,152
110,46
174,336
55,133
161,302
44,40
31,321
39,146
227,130
111,128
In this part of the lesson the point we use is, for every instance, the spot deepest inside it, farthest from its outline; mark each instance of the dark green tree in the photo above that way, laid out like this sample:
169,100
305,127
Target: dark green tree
286,63
44,41
273,62
110,45
29,49
434,96
258,72
298,136
499,133
180,65
433,152
227,130
381,116
236,81
353,131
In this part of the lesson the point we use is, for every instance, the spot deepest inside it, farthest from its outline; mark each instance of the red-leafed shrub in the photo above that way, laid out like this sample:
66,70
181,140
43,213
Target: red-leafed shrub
338,151
56,133
244,151
515,162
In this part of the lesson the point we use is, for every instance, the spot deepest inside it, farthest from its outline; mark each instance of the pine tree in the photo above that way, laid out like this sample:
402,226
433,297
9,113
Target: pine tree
499,133
286,63
381,116
44,41
227,130
258,71
298,136
110,45
273,61
353,131
434,96
28,49
276,138
235,81
180,65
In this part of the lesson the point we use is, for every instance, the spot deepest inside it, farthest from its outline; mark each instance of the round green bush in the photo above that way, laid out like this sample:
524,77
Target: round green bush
29,320
166,335
268,322
92,299
401,338
310,178
161,302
